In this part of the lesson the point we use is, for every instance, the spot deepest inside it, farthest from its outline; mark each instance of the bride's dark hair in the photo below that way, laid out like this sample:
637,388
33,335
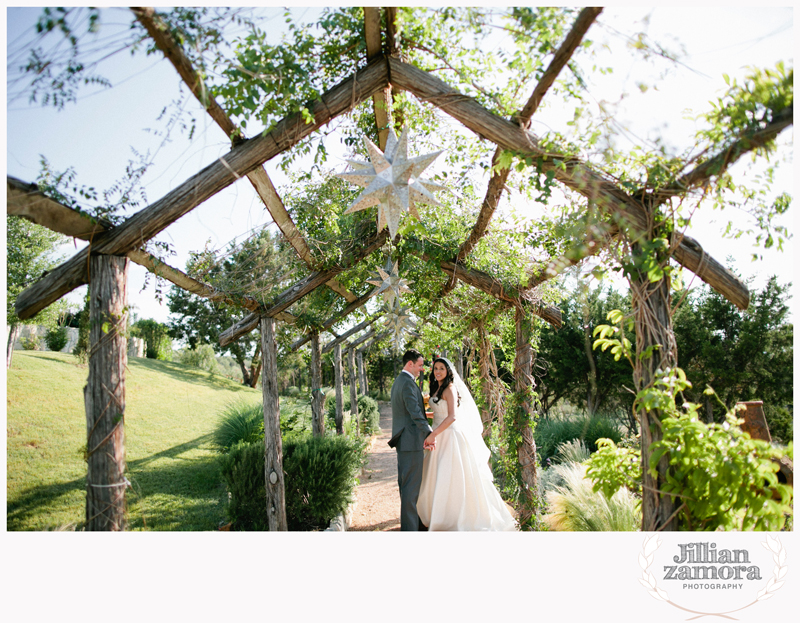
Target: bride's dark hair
433,384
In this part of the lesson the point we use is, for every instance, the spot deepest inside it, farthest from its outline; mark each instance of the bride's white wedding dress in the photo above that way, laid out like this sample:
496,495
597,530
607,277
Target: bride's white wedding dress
458,491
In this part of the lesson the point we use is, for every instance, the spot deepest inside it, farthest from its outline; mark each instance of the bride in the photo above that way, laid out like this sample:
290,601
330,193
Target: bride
457,491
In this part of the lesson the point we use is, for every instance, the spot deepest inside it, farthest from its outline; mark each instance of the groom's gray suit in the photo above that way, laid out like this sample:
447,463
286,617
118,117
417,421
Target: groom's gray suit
409,421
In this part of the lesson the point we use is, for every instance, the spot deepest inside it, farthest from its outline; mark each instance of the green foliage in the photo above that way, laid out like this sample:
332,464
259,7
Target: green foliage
319,478
240,423
31,342
722,479
321,475
202,357
56,338
243,422
292,391
612,467
576,507
158,344
29,253
255,268
743,355
368,413
551,432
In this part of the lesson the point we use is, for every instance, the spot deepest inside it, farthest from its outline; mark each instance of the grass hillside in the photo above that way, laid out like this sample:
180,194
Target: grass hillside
170,413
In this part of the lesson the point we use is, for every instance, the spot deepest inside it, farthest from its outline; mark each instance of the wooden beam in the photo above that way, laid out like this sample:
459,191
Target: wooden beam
300,289
258,177
243,158
498,180
343,337
626,212
26,201
381,102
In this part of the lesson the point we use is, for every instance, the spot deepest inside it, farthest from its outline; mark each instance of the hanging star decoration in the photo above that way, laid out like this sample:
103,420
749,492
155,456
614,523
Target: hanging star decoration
399,321
389,283
392,181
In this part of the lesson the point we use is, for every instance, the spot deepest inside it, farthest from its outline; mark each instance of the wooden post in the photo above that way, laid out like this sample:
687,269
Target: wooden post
524,385
651,304
362,373
755,422
351,359
104,394
317,399
337,382
273,446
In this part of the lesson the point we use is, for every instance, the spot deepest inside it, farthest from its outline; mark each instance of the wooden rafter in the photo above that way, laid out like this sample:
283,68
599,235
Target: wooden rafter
498,180
258,177
344,336
25,200
243,158
381,102
626,212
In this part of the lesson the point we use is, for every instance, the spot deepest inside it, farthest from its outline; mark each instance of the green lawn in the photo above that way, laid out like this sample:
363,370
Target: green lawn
171,412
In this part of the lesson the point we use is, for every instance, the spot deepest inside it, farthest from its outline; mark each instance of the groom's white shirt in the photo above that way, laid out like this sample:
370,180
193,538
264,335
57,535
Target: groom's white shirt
409,374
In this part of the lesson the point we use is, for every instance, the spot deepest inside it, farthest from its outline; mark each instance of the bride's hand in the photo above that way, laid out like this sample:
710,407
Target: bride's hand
430,442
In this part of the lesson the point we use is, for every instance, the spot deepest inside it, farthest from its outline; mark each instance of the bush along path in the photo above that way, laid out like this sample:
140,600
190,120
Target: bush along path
378,497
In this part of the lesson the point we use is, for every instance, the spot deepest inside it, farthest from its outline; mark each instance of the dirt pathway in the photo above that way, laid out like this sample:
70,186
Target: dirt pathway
378,498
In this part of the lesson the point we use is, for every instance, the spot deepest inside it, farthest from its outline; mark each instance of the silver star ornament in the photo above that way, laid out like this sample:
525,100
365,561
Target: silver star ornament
392,181
398,320
389,283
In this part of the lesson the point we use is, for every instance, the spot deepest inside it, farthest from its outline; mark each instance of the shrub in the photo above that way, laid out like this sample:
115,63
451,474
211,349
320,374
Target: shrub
723,479
321,474
292,391
379,396
57,338
576,507
574,451
319,477
781,426
550,433
240,422
368,414
202,357
32,342
242,470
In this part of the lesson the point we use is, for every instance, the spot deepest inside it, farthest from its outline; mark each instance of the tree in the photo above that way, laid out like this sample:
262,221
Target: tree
30,250
742,355
158,344
569,368
256,267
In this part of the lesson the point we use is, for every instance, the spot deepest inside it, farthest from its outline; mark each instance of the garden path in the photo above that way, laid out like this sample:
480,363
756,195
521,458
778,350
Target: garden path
378,497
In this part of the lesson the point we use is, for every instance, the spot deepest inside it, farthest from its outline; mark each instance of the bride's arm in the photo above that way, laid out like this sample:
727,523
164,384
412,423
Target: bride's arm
449,396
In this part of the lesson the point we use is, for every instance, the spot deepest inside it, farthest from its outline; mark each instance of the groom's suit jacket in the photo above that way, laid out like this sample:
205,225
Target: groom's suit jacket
408,414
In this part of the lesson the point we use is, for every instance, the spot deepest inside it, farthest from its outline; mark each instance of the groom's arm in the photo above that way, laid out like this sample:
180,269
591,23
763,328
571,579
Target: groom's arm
411,403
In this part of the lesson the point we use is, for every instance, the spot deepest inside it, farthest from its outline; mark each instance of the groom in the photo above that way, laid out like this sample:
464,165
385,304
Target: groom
409,430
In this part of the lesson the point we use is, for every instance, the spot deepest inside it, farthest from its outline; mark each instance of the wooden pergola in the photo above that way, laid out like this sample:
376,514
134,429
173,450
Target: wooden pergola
103,263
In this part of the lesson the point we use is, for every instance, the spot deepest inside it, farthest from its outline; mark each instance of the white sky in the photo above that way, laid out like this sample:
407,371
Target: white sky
95,135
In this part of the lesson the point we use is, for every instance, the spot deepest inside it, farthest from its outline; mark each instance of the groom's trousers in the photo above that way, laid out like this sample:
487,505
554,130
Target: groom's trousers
409,479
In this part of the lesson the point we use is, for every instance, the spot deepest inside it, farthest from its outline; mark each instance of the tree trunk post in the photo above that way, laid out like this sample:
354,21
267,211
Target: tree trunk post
351,359
13,332
651,304
273,446
104,395
362,373
338,382
317,399
524,386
